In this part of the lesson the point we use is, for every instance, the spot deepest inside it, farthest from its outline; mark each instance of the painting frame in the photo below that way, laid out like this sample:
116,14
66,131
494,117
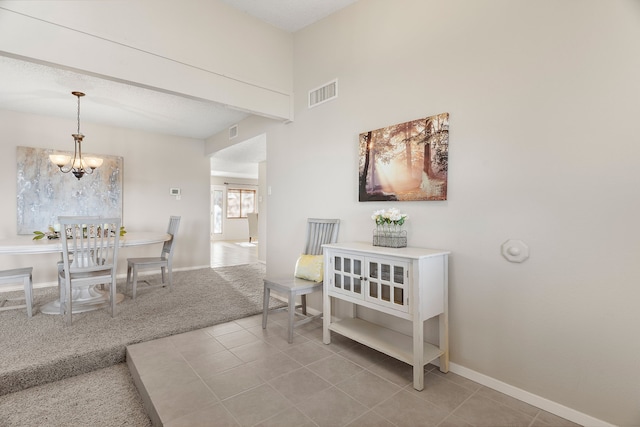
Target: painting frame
408,161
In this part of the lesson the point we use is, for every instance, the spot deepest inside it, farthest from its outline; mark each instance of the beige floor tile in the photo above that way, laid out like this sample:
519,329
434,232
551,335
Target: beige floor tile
150,348
481,411
338,342
441,392
189,337
370,419
464,382
247,322
206,417
391,369
314,334
508,401
332,408
210,364
193,350
222,329
270,367
254,351
453,421
234,381
363,355
291,417
183,401
156,361
162,381
256,405
545,418
368,388
404,409
227,253
334,368
277,335
307,352
236,339
299,385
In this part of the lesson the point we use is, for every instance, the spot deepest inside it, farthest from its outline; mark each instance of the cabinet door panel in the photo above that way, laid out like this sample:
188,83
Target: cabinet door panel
388,283
347,275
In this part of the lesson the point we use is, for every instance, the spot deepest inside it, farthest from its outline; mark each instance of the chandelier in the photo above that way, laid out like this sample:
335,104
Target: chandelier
79,165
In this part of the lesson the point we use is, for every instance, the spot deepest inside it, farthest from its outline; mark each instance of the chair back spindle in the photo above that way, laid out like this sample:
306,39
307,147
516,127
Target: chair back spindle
320,232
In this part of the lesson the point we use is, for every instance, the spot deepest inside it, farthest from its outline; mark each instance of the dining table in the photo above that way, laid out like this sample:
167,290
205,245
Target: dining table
85,298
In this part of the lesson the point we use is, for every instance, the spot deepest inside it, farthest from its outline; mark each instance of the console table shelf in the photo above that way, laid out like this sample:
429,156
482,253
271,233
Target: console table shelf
407,283
392,343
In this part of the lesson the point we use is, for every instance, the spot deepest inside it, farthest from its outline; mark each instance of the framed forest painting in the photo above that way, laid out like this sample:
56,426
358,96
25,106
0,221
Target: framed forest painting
407,161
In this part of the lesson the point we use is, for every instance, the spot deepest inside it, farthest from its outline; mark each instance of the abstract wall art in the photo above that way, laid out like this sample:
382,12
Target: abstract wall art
44,193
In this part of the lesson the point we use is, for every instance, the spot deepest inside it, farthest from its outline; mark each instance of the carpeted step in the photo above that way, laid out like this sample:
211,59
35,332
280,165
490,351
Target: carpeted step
42,349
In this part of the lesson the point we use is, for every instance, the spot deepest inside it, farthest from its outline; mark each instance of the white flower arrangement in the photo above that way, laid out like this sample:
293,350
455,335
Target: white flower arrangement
391,216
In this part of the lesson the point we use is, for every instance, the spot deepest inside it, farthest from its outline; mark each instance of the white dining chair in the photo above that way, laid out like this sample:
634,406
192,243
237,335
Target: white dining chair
163,262
89,258
307,277
12,277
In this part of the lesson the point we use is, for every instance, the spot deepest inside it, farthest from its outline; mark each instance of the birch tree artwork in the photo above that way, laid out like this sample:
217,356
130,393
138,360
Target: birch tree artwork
407,161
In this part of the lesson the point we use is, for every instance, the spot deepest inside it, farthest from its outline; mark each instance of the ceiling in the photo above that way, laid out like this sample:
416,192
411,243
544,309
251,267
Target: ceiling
39,89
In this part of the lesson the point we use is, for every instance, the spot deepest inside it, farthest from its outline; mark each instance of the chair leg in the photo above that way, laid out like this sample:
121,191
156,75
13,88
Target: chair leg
28,295
303,299
135,282
126,289
112,296
265,306
62,295
68,306
292,312
170,276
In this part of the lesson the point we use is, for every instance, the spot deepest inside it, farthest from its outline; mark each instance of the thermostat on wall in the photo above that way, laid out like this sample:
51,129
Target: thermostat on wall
174,191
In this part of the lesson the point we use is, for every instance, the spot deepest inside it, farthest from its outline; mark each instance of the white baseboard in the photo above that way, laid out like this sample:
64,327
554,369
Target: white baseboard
530,398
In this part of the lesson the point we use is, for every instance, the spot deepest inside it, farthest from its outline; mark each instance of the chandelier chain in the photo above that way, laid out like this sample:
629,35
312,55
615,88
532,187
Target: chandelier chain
78,114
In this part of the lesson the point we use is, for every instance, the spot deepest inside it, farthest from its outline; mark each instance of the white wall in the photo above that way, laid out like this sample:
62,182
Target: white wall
199,48
153,164
543,98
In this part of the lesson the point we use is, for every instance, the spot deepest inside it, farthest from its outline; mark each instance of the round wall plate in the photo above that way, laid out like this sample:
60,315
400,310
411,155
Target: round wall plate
515,250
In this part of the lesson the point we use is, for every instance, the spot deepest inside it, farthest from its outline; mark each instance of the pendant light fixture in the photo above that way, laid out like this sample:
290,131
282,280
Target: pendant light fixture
79,166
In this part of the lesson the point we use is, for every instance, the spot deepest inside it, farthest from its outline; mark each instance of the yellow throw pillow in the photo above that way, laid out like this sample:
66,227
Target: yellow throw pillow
310,267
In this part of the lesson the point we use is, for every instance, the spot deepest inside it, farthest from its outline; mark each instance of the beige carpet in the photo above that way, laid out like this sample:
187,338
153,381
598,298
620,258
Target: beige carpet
40,350
103,398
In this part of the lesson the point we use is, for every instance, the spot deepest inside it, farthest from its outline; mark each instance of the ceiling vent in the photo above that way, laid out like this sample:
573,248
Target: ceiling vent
233,131
323,94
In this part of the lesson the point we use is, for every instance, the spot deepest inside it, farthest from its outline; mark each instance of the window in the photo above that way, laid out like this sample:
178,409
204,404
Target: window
240,203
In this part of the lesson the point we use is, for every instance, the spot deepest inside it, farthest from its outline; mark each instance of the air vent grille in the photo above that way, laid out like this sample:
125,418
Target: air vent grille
323,94
233,131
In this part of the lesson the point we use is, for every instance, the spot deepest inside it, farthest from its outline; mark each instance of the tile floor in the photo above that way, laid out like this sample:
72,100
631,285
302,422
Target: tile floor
237,374
228,252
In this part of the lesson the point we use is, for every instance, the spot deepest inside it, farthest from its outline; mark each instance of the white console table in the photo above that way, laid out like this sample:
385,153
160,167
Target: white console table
409,283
